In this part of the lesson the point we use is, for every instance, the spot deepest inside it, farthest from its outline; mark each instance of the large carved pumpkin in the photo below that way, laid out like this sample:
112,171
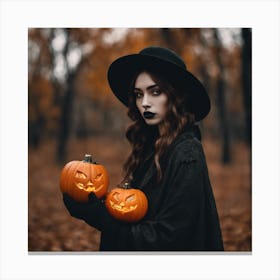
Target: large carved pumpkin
127,204
79,178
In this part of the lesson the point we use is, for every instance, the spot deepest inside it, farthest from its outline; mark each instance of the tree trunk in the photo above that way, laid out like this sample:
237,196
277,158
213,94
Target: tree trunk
65,120
221,104
169,40
66,105
246,80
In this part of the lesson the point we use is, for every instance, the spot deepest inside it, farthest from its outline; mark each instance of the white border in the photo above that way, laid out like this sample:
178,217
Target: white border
18,16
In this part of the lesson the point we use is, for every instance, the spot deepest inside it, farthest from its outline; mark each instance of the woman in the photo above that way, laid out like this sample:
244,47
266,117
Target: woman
167,161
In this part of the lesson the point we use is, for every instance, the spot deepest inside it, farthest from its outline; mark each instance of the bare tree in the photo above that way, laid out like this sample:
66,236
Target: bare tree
71,41
38,59
246,80
221,103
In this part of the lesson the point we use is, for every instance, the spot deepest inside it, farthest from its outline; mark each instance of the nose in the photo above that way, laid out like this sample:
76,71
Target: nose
146,101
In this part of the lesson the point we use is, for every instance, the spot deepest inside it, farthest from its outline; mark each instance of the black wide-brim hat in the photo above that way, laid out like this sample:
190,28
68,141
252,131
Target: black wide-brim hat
166,62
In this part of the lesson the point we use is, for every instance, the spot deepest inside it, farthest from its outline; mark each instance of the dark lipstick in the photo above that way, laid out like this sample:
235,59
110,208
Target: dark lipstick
148,115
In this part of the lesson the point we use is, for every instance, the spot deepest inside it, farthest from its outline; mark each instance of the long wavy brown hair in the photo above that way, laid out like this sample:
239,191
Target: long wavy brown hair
142,136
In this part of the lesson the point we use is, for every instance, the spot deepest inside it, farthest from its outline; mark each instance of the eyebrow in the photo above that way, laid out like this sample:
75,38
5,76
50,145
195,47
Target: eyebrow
148,88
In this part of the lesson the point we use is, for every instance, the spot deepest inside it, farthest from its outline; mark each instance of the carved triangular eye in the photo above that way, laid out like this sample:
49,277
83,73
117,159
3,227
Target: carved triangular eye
80,175
130,198
116,196
98,177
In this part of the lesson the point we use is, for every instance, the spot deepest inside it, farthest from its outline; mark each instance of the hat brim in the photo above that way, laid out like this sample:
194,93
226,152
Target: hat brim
122,71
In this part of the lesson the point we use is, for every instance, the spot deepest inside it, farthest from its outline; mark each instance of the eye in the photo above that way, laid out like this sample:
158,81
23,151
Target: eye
156,91
98,177
80,175
116,196
138,94
130,198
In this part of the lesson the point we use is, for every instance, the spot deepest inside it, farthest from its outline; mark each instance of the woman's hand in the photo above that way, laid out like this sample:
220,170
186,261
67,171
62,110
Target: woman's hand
76,209
92,212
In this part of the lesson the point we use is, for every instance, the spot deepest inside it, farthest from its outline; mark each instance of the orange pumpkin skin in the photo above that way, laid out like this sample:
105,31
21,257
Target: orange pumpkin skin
79,178
127,204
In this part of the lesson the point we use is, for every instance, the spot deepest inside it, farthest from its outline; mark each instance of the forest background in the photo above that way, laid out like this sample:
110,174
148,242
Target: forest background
71,112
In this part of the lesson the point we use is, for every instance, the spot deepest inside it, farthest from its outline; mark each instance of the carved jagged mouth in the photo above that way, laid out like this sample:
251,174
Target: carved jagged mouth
122,208
88,187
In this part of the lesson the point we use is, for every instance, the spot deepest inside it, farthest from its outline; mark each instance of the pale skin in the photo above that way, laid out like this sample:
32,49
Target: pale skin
150,98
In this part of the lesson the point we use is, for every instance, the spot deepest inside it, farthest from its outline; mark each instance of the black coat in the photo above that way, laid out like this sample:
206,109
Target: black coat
182,214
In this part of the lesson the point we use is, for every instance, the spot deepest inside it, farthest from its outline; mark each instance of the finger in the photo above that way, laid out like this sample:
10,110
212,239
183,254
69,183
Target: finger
67,198
65,195
92,197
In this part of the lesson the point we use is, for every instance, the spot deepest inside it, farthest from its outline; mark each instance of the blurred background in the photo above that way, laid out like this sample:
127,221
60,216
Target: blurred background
71,112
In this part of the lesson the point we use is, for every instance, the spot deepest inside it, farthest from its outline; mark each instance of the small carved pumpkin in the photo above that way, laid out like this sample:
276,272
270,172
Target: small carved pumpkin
127,204
79,178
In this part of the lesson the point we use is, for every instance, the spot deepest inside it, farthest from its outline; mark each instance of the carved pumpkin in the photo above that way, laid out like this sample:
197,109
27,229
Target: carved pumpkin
127,204
79,178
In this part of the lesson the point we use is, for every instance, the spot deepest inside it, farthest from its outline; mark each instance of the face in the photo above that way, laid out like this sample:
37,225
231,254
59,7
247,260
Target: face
123,202
151,101
84,182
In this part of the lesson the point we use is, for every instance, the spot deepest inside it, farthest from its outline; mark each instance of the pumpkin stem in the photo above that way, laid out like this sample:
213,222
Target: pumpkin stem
88,158
126,185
